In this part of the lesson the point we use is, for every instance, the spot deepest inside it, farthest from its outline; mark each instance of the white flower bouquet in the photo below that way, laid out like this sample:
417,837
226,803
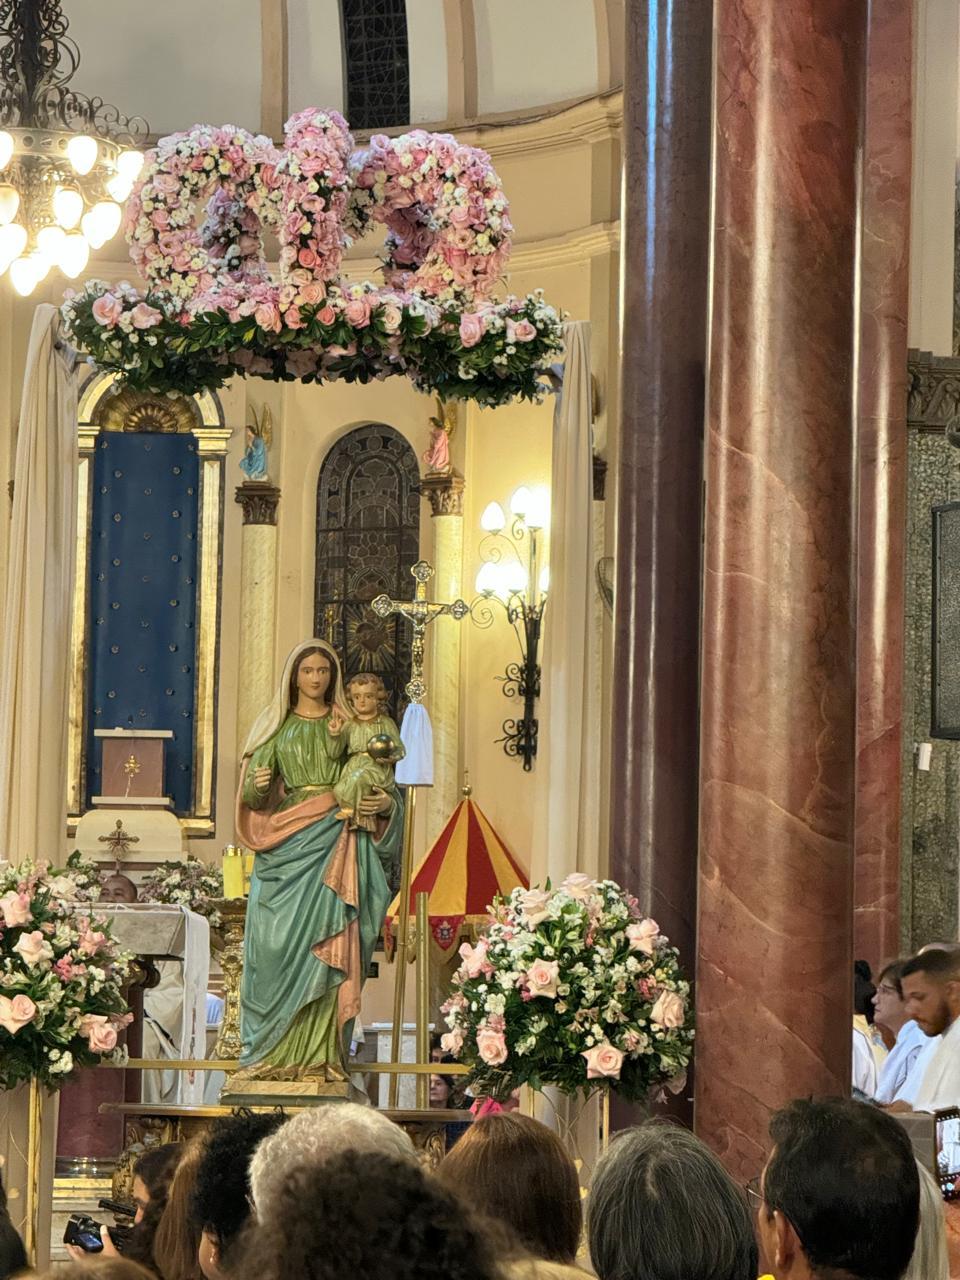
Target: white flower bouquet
571,987
191,883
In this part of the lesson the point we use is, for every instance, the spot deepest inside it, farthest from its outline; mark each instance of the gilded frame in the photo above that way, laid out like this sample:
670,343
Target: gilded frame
103,408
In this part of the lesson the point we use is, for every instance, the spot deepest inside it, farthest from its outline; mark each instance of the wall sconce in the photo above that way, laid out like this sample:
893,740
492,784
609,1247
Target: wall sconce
512,576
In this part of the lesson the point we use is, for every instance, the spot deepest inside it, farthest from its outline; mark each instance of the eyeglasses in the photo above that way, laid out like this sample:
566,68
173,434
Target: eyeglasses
754,1192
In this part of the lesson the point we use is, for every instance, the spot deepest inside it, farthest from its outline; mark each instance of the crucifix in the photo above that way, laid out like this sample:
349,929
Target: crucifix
419,612
118,841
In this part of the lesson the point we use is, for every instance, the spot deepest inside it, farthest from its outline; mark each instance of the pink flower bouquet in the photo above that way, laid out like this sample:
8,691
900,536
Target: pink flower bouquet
570,987
61,976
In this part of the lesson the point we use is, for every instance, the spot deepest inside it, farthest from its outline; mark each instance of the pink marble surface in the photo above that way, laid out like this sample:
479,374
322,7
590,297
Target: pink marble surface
778,707
883,480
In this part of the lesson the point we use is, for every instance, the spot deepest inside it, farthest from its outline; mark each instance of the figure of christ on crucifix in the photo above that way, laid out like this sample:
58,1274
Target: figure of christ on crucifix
419,612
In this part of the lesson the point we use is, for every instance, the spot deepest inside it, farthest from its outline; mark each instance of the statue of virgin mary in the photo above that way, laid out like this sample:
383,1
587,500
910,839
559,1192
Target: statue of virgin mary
319,892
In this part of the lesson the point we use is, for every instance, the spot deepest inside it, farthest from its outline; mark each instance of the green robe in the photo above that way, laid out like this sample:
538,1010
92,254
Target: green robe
289,997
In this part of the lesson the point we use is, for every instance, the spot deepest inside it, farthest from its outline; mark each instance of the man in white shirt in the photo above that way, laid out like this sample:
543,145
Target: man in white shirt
931,990
890,1015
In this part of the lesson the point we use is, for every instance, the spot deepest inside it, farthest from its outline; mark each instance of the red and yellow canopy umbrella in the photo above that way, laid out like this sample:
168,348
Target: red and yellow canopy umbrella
465,869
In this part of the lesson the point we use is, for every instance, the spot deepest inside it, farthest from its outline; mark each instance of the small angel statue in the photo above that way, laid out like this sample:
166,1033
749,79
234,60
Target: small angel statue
437,457
259,438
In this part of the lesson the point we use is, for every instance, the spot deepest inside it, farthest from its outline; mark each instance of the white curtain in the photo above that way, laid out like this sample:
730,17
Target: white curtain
34,678
35,646
567,819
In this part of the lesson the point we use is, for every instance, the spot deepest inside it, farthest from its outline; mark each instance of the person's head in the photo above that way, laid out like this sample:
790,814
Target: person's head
863,989
311,1137
367,694
118,888
314,675
152,1175
515,1170
13,1256
930,1261
931,990
938,946
889,1010
840,1193
362,1213
97,1268
221,1193
176,1243
662,1206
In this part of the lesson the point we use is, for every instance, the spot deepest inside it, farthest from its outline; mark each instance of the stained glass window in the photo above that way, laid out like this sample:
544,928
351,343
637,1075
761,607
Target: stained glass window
368,539
377,62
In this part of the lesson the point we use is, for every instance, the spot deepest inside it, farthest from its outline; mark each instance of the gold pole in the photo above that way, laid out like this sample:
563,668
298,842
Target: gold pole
605,1122
403,932
33,1171
423,1000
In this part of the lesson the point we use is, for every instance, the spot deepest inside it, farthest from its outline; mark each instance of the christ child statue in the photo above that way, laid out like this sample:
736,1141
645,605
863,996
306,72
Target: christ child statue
373,746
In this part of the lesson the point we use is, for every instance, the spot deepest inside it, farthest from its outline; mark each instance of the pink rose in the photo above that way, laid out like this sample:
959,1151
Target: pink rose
579,886
101,1036
668,1010
33,948
166,183
107,310
520,331
474,958
533,905
391,317
64,968
491,1046
471,329
291,318
91,941
145,316
307,258
267,316
357,312
603,1060
16,909
311,294
643,936
16,1013
542,978
452,1042
326,315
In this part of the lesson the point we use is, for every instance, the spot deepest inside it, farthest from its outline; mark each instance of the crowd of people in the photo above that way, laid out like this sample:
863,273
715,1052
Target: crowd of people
906,1031
339,1192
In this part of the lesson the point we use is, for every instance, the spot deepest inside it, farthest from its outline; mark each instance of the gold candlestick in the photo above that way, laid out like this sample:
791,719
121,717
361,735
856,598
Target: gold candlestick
233,912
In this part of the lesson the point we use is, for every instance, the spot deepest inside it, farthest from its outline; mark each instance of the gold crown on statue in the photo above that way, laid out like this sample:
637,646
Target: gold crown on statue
382,747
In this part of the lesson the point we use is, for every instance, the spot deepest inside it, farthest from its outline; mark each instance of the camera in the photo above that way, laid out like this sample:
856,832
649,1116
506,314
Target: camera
947,1125
85,1233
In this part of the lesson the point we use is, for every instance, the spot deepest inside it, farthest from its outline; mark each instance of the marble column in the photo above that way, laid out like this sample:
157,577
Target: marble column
258,600
664,263
445,493
883,480
778,704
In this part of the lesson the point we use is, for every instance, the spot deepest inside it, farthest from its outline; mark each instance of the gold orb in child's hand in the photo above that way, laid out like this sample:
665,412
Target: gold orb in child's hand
382,747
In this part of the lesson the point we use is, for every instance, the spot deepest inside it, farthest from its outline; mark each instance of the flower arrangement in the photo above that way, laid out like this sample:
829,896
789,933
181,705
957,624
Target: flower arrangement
211,308
570,987
445,210
86,875
61,978
192,883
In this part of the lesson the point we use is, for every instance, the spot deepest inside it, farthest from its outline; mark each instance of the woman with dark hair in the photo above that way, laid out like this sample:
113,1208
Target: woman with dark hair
362,1214
153,1174
516,1172
319,895
13,1257
662,1205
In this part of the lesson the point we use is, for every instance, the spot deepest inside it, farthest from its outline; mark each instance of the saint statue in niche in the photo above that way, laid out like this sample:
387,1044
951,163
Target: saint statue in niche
319,891
259,437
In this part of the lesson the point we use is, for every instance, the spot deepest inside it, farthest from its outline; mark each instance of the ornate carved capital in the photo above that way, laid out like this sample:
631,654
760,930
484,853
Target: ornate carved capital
933,394
259,500
445,492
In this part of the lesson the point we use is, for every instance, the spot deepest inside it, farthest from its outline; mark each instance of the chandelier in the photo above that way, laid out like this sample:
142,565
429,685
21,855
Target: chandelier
67,162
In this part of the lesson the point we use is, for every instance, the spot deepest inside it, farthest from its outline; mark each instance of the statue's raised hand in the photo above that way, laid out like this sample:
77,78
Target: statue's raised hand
335,722
261,778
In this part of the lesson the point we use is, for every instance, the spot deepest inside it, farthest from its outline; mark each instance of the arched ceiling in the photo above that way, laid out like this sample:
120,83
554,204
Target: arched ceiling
254,62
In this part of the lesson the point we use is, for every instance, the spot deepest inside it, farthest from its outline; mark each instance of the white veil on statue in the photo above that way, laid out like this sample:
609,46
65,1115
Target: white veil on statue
273,715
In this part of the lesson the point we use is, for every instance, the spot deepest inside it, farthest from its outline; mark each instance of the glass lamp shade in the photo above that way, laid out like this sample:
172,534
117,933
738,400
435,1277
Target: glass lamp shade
27,272
119,187
537,514
101,223
74,254
13,241
50,242
6,148
129,164
515,578
488,579
544,580
82,153
67,207
9,203
493,519
520,502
